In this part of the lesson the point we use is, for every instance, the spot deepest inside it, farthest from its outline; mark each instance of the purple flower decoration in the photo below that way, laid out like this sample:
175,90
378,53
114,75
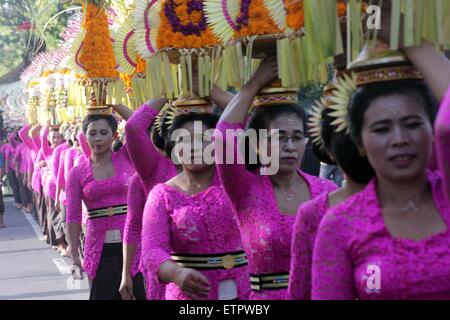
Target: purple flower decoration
190,28
243,17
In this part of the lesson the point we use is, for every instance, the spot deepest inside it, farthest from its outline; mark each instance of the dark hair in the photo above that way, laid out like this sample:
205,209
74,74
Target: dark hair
362,98
117,145
345,151
208,119
260,119
112,122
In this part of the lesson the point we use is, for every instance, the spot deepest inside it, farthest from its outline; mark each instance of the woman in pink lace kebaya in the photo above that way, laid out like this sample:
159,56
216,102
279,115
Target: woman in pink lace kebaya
51,140
190,238
101,182
333,148
148,157
391,241
265,205
152,168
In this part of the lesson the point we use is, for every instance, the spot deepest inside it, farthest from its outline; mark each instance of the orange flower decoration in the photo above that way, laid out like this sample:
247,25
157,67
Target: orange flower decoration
259,21
126,78
97,55
295,16
141,65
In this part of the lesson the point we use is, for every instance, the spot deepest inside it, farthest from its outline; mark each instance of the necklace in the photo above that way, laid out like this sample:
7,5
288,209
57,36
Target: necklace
410,206
290,193
290,196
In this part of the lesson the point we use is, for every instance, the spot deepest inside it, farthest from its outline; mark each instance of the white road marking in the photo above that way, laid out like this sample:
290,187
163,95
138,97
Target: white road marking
71,282
36,228
62,266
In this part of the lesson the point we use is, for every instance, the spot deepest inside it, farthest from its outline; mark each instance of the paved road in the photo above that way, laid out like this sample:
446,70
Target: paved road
29,268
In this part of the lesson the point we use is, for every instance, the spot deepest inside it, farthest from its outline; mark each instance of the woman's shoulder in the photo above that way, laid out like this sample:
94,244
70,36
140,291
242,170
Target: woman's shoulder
82,167
135,179
311,212
318,185
359,208
158,195
159,190
435,178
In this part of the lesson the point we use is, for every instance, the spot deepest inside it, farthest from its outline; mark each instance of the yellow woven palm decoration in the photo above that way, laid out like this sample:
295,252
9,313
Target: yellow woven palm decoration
314,123
277,12
124,47
159,117
171,113
221,16
73,62
340,99
147,21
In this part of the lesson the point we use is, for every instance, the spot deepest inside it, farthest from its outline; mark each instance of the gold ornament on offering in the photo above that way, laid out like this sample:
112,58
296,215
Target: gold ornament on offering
193,104
33,102
275,96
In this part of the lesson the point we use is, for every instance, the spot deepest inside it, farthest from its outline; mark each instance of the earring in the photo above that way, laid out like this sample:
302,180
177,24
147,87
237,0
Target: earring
361,152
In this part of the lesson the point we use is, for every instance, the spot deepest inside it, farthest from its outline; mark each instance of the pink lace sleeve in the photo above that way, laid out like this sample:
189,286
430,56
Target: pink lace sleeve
73,197
23,134
60,181
332,270
39,158
304,233
68,164
55,160
45,147
442,131
136,204
140,147
156,246
83,144
18,154
236,179
37,142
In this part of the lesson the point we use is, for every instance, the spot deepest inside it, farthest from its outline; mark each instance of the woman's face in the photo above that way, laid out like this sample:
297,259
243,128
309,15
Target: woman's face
55,138
397,137
99,136
287,143
190,146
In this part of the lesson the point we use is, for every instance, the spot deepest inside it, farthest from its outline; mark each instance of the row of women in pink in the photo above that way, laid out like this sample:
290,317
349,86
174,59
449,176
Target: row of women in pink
265,205
390,241
8,151
101,183
152,167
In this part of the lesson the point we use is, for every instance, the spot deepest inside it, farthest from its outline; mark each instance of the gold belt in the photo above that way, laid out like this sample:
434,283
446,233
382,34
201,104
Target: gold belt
107,212
273,281
225,261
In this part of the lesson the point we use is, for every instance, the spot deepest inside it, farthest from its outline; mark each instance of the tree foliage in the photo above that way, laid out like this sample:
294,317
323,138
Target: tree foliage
26,28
